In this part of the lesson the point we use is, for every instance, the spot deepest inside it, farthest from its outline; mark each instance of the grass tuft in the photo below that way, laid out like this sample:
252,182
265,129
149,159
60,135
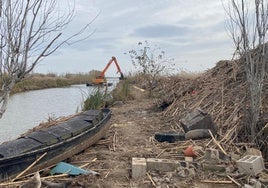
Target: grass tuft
96,100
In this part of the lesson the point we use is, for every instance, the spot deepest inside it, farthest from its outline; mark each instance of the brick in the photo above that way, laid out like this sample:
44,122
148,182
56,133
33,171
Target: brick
138,167
251,164
162,165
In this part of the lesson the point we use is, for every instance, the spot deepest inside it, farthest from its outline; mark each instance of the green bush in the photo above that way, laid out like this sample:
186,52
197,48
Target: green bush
95,101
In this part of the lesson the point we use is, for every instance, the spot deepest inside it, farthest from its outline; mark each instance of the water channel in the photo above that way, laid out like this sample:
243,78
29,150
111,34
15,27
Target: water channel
27,110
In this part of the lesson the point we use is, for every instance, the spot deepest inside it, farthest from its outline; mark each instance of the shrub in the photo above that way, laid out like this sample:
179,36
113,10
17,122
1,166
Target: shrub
150,62
95,101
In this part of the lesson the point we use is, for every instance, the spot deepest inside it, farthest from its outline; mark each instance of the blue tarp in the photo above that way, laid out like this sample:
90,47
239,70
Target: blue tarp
65,168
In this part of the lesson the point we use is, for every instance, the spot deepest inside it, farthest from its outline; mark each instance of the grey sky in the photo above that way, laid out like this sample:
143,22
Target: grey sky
192,32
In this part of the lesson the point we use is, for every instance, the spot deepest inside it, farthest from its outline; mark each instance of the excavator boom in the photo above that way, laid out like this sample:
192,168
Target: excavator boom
108,65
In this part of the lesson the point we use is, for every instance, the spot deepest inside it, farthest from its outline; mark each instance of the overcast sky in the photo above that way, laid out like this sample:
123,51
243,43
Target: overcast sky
192,32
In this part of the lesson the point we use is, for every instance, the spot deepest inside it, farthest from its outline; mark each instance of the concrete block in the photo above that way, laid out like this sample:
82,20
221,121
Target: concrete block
198,119
162,165
138,167
251,164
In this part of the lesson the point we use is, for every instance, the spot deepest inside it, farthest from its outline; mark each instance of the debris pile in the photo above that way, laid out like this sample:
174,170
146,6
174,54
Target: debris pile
197,164
212,113
222,93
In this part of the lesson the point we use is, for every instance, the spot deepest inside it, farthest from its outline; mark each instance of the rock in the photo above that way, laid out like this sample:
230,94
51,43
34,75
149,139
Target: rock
192,172
234,156
215,156
167,180
213,167
34,182
197,134
263,177
186,172
255,183
181,172
229,169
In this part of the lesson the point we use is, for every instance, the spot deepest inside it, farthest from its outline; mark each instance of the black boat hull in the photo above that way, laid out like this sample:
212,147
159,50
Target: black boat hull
77,134
102,84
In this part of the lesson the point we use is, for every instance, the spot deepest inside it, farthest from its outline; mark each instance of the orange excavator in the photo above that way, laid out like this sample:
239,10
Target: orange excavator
100,79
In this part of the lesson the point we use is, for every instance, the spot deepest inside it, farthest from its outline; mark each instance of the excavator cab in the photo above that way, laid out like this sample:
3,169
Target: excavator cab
99,80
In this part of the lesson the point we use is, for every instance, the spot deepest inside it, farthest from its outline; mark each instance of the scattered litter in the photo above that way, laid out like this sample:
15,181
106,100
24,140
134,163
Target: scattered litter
65,168
170,137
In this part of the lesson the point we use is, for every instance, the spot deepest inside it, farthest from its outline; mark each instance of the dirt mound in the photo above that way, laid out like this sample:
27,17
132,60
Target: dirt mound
222,92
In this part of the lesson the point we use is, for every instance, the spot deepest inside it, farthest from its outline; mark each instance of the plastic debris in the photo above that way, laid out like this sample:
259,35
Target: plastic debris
65,168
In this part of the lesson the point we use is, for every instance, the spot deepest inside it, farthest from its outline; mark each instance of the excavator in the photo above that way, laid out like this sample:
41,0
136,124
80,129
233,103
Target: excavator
100,79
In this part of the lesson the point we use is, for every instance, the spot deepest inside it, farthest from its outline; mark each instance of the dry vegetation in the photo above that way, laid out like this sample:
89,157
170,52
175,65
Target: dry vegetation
221,91
51,80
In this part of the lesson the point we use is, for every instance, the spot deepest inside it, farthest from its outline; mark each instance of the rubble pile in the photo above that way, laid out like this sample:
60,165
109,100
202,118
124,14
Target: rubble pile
221,92
212,144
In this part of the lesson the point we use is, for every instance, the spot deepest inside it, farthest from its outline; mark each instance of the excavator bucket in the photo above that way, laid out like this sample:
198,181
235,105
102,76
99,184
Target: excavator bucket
121,76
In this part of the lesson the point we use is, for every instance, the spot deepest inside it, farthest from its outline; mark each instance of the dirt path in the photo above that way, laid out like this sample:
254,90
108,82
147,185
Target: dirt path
133,125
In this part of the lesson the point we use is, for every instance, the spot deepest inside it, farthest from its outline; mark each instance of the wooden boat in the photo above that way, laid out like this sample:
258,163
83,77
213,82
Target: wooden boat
55,143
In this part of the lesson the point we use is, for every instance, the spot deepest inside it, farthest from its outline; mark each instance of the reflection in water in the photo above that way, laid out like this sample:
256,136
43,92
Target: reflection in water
26,110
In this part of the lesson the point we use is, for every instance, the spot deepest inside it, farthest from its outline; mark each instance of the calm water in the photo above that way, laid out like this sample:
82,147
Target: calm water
27,110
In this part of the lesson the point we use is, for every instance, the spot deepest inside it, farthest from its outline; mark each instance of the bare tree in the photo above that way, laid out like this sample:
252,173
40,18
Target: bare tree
31,30
248,24
150,62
